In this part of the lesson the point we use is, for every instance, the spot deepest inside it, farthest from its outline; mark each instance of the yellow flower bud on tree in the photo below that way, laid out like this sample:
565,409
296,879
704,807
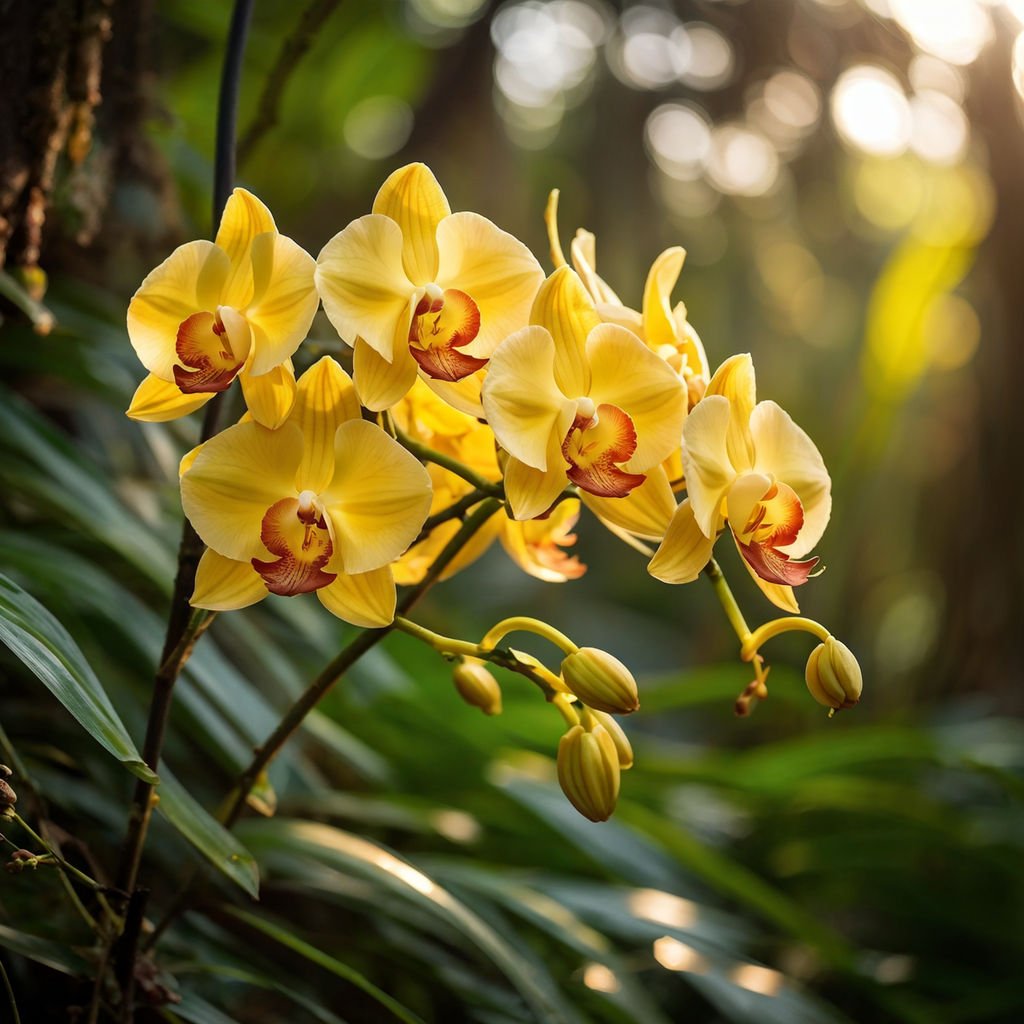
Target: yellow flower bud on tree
833,675
477,686
588,771
622,745
601,681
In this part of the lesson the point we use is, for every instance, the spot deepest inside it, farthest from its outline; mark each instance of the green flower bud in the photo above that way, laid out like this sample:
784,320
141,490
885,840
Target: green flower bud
601,681
833,675
588,771
477,686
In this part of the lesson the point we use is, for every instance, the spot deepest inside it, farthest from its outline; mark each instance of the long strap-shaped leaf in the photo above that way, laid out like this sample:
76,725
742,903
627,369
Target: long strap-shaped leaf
46,648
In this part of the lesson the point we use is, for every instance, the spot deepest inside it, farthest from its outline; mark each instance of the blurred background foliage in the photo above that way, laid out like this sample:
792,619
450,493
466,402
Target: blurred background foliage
846,178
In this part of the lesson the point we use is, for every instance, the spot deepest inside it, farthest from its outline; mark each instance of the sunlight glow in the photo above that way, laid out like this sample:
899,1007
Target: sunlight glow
955,30
678,138
663,908
712,59
600,978
870,111
674,955
742,161
940,132
753,978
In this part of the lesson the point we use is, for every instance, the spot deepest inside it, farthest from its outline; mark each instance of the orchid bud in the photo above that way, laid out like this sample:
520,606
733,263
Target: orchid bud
588,771
622,745
833,675
601,681
477,686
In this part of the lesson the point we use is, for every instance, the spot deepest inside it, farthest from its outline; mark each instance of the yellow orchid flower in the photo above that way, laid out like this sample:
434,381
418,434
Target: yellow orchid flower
749,465
537,547
663,327
415,288
237,306
324,503
575,400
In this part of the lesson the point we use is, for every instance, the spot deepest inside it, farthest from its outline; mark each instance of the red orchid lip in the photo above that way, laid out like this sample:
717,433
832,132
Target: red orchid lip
594,447
303,545
440,327
202,343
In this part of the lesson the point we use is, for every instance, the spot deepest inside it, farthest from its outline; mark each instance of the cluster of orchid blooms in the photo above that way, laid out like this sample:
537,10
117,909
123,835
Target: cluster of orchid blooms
475,379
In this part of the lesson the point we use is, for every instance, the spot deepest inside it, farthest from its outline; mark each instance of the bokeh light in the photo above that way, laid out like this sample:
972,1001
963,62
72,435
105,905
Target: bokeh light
870,111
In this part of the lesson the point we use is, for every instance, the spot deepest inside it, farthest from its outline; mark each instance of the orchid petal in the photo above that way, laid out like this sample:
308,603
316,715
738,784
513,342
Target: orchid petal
380,383
659,322
564,308
284,300
685,550
463,395
734,379
413,199
780,595
785,451
377,500
583,250
524,406
270,396
531,492
495,269
243,219
156,401
709,470
627,374
325,399
538,546
235,478
223,584
189,281
645,512
366,599
364,289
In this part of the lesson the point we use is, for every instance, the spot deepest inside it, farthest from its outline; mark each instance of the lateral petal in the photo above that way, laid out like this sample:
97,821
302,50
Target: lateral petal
362,284
270,396
244,218
734,380
709,470
366,599
627,374
235,477
784,450
413,199
522,402
156,401
189,281
325,398
223,585
284,299
377,500
685,550
538,546
566,311
380,383
583,250
495,269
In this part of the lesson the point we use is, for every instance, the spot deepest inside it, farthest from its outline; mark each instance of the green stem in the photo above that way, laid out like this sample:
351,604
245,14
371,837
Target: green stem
524,624
10,994
454,511
727,601
426,454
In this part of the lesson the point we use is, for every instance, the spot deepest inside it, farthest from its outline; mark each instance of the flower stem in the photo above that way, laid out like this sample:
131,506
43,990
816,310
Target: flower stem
427,454
776,627
727,601
524,624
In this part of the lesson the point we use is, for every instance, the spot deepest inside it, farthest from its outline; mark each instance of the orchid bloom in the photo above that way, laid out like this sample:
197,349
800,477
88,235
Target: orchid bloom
415,288
237,306
537,547
575,400
748,465
660,325
324,503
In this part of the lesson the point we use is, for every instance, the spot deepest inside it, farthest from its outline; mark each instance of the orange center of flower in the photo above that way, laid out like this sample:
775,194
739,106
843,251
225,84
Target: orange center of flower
774,523
295,530
599,441
204,347
442,323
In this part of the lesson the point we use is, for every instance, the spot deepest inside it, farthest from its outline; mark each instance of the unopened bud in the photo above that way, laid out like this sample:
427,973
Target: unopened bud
833,675
622,745
601,681
477,686
8,798
588,771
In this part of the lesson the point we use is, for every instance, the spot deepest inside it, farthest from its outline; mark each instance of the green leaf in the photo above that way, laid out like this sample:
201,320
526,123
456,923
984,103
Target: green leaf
197,1011
46,648
207,835
322,959
43,951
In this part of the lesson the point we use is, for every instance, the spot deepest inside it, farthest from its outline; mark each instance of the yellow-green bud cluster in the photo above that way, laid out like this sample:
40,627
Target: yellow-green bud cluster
601,681
588,770
833,675
477,686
